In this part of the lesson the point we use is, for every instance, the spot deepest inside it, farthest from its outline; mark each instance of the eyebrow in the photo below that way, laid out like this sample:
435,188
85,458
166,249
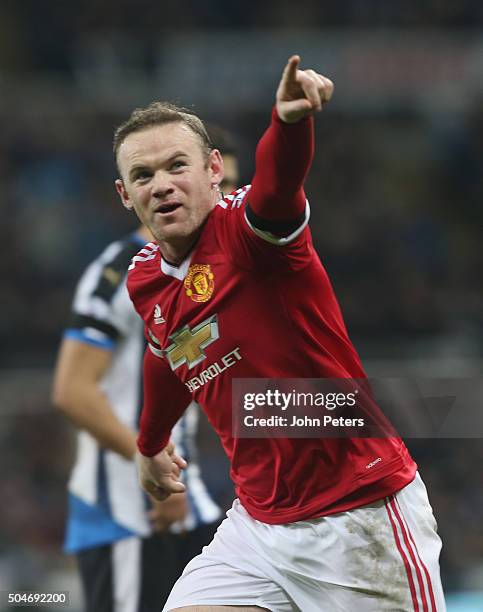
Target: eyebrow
133,171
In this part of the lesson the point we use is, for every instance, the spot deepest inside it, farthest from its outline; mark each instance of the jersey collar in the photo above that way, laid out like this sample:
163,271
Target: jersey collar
178,272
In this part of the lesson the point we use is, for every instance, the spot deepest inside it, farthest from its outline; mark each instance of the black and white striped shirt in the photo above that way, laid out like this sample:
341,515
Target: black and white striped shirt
106,501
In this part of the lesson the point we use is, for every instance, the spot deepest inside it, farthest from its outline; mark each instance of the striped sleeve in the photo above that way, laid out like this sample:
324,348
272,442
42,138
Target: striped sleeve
101,310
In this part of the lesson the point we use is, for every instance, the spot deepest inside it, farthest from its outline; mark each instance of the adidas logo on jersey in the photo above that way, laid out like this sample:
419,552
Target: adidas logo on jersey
158,317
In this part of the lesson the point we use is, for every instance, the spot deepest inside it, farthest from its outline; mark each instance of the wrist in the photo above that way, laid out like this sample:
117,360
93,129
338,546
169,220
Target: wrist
149,450
283,121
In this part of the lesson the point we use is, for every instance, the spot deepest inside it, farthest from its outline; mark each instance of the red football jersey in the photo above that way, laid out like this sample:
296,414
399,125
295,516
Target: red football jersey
247,304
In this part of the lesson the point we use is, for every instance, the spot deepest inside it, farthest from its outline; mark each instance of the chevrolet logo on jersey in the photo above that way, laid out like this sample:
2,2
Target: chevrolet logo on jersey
188,345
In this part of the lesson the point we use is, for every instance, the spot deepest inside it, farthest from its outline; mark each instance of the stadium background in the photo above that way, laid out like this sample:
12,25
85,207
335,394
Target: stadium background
396,194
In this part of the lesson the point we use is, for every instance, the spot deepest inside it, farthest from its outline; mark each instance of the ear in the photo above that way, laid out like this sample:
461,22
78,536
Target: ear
215,166
123,194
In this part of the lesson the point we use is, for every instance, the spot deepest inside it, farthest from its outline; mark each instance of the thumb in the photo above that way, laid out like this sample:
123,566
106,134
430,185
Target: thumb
177,487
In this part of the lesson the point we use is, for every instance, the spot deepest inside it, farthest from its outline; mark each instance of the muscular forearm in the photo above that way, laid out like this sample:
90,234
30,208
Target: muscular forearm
77,392
88,408
283,159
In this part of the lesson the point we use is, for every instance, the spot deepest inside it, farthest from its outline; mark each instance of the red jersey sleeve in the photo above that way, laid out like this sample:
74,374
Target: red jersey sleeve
277,202
165,400
263,227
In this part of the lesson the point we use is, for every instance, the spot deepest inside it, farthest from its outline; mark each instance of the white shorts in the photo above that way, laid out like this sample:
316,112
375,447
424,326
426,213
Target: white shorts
384,556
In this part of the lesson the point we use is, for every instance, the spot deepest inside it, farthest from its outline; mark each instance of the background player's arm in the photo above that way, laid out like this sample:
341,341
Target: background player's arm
76,391
165,513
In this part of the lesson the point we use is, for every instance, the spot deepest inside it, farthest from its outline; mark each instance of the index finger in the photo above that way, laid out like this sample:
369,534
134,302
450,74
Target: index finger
290,70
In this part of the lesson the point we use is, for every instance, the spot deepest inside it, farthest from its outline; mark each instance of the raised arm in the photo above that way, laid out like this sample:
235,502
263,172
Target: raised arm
285,151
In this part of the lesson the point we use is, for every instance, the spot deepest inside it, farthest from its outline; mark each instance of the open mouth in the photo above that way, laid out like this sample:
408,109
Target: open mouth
165,209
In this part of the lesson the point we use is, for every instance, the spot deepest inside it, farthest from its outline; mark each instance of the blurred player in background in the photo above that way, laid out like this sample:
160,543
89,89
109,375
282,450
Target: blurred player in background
130,550
321,524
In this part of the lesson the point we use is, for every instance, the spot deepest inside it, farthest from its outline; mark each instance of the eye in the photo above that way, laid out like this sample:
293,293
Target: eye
142,176
177,165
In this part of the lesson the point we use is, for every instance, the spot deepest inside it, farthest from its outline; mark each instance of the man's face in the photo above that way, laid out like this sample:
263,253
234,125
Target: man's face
168,180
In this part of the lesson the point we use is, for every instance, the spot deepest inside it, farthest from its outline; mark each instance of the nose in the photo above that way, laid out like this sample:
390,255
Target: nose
161,185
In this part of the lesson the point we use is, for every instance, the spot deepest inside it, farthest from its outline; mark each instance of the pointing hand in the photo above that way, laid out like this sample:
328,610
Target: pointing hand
301,92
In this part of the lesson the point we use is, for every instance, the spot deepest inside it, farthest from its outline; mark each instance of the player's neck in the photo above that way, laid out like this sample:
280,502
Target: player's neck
176,249
175,252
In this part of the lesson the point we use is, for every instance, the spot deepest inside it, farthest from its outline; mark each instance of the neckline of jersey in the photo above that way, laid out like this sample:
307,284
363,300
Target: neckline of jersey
178,272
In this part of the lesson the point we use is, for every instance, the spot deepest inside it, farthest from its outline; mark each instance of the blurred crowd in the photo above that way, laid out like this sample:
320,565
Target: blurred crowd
396,198
45,34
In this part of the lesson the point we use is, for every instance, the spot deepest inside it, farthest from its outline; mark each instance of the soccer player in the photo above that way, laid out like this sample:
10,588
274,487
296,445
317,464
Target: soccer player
320,524
130,551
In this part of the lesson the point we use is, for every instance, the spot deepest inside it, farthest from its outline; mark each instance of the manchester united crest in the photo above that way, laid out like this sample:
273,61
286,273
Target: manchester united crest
199,282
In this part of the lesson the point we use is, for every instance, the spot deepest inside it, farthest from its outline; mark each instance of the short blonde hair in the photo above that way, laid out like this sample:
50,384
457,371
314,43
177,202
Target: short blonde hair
160,113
